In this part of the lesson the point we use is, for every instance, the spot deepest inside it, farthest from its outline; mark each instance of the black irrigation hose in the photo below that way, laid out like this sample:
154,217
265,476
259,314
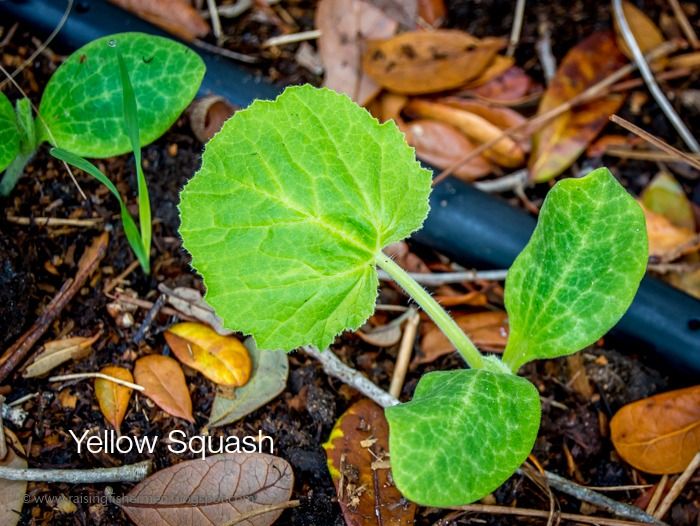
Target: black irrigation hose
470,226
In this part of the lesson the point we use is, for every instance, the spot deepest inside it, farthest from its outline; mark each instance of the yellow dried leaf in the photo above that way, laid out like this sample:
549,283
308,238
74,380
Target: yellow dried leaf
222,359
60,351
113,398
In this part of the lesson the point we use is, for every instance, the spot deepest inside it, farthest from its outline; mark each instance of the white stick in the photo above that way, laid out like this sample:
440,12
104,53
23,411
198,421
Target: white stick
128,473
443,278
83,376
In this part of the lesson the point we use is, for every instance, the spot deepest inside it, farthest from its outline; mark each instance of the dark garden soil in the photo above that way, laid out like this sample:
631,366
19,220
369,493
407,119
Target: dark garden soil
35,261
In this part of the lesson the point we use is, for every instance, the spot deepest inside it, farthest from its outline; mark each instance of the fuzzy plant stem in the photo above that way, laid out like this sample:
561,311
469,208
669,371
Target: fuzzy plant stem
432,308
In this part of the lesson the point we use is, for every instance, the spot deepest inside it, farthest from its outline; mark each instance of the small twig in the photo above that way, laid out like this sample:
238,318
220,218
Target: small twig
148,305
595,91
517,27
3,444
292,38
405,351
119,279
506,183
592,497
656,497
225,52
215,21
148,319
661,145
443,278
624,152
624,487
14,355
651,83
23,399
83,376
677,487
687,29
16,415
54,221
336,368
671,74
260,510
526,512
128,473
43,46
543,46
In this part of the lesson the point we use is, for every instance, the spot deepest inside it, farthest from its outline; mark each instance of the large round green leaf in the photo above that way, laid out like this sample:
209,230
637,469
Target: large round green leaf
82,103
463,434
294,200
9,135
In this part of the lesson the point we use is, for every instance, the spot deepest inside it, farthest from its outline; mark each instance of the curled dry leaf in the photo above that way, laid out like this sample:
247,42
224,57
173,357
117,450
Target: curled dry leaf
190,302
645,31
56,352
665,196
432,12
222,359
391,106
506,152
442,145
175,16
488,331
215,491
660,434
355,452
420,62
164,382
508,88
113,398
500,116
207,116
12,491
559,143
499,65
268,379
344,26
664,236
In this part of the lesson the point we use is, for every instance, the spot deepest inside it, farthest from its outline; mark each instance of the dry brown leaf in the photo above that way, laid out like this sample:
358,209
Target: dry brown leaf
499,65
420,62
500,116
175,16
164,383
432,12
222,359
403,256
356,452
441,145
510,87
207,116
60,351
505,152
660,434
558,144
112,397
645,31
223,489
344,26
391,106
664,195
664,236
686,60
488,330
473,298
12,492
688,282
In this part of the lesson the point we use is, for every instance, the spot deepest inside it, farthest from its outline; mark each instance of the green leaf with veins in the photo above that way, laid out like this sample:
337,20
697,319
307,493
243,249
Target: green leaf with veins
9,134
579,272
82,103
463,434
294,200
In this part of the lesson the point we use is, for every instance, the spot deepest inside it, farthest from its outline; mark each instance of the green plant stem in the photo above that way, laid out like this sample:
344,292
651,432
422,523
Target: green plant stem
14,172
444,321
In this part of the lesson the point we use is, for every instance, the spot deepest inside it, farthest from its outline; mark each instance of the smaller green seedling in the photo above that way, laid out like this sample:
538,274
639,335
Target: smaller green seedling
81,108
140,241
286,221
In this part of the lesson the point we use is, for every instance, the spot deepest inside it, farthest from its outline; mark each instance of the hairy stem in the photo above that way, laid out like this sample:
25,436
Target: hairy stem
433,309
